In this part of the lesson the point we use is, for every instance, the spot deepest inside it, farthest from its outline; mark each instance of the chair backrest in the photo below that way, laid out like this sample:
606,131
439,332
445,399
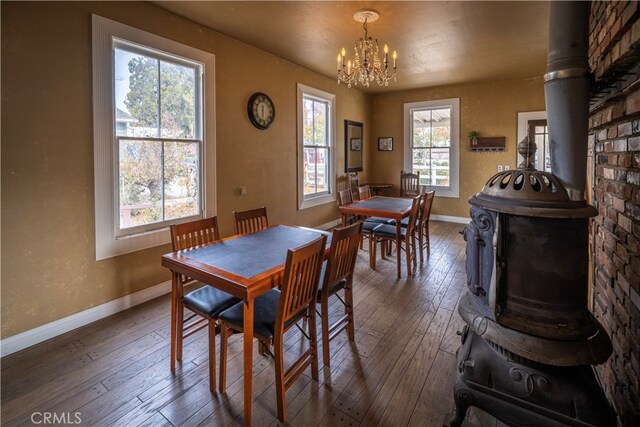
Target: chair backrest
194,233
413,215
301,280
427,202
365,192
251,221
353,185
409,184
344,197
343,254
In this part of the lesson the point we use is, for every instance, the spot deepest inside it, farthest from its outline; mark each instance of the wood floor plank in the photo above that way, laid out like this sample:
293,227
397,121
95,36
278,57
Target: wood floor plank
399,371
436,397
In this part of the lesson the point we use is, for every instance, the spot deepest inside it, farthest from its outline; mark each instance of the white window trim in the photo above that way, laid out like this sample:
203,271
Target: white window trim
104,31
311,201
523,121
453,190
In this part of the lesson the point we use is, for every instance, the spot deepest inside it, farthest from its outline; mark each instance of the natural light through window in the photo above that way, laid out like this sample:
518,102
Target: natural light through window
315,152
432,144
158,134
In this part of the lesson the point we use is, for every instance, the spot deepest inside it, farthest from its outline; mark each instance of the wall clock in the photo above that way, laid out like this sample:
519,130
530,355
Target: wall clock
261,110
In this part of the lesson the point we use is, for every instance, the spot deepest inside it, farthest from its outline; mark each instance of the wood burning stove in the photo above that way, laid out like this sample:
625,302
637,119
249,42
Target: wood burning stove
530,339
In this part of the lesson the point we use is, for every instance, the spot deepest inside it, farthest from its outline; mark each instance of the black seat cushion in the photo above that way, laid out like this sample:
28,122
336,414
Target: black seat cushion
387,230
265,310
405,222
368,227
209,301
334,287
379,219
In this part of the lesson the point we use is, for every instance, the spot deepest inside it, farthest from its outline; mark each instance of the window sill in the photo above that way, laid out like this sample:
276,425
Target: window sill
132,243
316,201
444,192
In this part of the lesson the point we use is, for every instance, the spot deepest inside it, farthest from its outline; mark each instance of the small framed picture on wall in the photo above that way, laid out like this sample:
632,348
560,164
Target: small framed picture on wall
385,143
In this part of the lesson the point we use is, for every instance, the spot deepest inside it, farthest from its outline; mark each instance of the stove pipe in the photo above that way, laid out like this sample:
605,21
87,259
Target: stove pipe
566,92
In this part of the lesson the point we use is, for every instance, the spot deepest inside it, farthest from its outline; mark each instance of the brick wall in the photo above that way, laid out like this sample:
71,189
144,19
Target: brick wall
614,56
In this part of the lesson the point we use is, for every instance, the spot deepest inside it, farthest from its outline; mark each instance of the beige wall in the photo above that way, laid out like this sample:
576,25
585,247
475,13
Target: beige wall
489,108
49,269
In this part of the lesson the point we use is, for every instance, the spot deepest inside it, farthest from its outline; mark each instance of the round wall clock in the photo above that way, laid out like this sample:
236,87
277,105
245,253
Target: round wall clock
261,110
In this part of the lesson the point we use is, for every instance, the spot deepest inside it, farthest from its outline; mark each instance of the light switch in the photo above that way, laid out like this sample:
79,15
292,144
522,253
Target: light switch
507,167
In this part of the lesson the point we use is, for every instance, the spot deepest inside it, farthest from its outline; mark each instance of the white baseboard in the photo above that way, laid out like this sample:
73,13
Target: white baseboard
42,333
449,218
329,225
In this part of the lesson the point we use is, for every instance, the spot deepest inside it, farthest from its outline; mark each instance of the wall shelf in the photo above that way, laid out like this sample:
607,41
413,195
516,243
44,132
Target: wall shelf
488,143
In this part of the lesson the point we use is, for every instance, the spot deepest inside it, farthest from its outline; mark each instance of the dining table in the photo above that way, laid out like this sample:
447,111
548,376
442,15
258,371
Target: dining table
396,208
245,266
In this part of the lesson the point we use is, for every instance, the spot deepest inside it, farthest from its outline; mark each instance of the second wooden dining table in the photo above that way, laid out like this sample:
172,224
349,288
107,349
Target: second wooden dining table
245,266
385,207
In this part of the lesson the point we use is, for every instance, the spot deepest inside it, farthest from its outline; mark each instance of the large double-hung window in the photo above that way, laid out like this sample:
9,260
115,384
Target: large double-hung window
150,134
432,144
316,112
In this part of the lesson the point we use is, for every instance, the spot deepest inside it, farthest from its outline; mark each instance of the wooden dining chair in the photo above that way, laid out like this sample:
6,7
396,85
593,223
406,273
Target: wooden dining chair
275,312
409,184
344,198
251,221
423,224
204,303
337,275
386,234
365,192
421,229
353,185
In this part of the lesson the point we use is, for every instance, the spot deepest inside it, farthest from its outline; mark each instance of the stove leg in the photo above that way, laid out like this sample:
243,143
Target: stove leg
463,400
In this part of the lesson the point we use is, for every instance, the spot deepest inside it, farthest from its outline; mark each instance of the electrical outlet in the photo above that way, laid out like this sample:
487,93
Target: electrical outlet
499,168
507,167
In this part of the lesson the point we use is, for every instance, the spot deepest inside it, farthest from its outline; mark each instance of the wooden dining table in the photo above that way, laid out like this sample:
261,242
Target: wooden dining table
245,266
385,207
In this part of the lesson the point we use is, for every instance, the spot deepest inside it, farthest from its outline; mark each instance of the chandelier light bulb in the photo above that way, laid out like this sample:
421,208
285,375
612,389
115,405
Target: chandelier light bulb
386,49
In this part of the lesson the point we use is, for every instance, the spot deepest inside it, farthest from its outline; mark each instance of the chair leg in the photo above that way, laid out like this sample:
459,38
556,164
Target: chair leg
279,368
314,343
421,243
180,325
372,252
426,235
212,355
324,319
348,299
224,330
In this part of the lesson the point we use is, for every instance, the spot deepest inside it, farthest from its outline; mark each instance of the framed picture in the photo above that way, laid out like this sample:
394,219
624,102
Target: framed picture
355,144
385,143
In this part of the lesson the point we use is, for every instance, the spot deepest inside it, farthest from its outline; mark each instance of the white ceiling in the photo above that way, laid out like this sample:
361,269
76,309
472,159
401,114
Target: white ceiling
438,43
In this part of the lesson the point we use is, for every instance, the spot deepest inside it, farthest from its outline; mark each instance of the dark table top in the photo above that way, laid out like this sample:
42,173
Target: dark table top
386,207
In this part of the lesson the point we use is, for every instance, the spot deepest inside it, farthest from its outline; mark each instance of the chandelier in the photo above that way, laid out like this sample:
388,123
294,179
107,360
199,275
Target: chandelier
366,66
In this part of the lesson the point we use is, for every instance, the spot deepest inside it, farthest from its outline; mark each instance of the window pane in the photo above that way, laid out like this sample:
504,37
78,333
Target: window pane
307,121
309,165
440,167
136,94
181,178
322,155
422,163
319,123
140,177
441,136
177,101
421,135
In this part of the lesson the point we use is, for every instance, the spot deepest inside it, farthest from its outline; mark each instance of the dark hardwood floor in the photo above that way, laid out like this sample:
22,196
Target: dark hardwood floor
400,371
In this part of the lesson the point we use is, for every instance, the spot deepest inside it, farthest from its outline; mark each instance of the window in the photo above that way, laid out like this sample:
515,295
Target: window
315,147
150,136
432,144
539,133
